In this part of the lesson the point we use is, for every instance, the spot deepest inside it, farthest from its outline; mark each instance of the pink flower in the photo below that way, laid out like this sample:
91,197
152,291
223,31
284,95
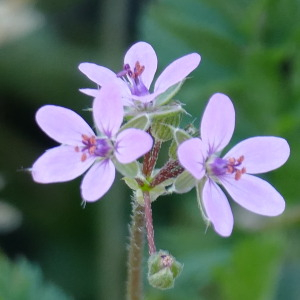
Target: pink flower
82,149
252,156
140,64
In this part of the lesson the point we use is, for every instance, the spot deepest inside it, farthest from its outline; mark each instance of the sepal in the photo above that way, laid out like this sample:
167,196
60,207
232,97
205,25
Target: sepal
129,170
168,95
183,183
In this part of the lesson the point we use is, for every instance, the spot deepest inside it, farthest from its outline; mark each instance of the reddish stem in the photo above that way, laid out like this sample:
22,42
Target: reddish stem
171,169
150,159
149,223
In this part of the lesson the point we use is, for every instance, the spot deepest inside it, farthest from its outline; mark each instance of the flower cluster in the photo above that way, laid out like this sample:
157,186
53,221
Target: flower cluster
132,121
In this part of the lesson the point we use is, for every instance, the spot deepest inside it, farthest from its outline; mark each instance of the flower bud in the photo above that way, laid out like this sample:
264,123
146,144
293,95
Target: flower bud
163,269
161,127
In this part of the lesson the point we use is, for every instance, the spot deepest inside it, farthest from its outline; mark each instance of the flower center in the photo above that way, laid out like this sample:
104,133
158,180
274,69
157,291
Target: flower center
221,166
93,146
133,79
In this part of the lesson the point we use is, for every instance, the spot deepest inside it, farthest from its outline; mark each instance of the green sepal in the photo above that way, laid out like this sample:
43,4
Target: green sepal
141,121
163,270
183,183
132,183
164,121
128,170
180,135
168,95
199,188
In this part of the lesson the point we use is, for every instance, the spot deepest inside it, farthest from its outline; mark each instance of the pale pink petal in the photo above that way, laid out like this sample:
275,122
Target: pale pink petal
217,208
108,110
254,194
261,153
97,74
217,123
131,144
144,54
59,164
90,92
177,71
191,155
98,180
62,124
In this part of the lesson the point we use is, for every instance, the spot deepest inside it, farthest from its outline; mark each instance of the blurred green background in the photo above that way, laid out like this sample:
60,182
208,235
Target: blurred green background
52,247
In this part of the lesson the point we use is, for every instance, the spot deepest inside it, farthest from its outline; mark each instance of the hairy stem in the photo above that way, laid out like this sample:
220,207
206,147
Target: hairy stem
149,223
135,253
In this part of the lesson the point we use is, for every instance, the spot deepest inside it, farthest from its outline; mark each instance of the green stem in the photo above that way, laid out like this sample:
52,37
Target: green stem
135,253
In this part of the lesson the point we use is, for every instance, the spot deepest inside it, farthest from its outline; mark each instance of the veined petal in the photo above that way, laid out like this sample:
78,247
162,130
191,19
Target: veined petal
131,144
192,155
217,123
98,180
97,74
177,71
254,194
62,124
261,153
217,208
144,54
59,164
108,110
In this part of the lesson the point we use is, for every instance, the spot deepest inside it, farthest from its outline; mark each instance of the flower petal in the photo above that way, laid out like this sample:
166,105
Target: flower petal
98,180
144,54
131,144
177,71
217,123
108,110
97,74
254,194
59,164
261,153
217,208
90,92
191,155
62,124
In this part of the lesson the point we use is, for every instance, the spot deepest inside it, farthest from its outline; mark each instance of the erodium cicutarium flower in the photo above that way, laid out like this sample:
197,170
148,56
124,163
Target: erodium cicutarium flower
233,171
82,149
140,64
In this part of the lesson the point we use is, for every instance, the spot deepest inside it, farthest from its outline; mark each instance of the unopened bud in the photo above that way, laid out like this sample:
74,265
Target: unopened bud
163,269
161,127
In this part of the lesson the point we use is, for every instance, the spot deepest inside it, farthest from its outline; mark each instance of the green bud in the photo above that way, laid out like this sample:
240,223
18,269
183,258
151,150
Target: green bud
163,269
161,127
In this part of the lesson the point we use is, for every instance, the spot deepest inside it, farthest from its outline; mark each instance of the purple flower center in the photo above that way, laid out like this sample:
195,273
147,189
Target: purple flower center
221,166
133,79
93,146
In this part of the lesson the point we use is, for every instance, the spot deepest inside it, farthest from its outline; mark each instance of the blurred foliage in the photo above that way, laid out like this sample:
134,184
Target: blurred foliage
20,280
250,51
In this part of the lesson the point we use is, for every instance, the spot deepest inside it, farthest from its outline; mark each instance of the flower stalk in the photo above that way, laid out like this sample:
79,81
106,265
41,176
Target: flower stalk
135,253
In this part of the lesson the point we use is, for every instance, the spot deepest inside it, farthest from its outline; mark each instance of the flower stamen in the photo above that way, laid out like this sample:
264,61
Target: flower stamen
133,79
93,147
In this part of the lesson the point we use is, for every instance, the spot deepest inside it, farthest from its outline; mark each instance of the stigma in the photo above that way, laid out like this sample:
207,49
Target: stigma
92,146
